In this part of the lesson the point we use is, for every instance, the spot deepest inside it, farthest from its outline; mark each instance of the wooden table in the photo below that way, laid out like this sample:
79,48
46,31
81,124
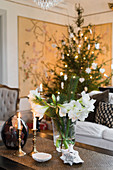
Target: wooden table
92,159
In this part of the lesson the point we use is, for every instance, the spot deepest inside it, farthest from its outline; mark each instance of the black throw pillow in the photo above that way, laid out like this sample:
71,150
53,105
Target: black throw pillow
100,97
104,114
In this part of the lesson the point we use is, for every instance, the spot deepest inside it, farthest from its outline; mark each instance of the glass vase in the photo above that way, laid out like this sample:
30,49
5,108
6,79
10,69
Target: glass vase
63,133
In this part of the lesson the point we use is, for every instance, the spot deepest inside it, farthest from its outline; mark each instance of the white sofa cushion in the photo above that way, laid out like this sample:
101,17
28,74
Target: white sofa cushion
94,92
90,129
108,134
111,98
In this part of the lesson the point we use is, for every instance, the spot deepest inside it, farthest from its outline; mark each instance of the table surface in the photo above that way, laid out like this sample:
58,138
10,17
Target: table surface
92,159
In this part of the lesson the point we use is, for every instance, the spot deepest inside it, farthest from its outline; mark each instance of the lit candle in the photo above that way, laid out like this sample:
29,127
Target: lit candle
41,88
34,121
19,122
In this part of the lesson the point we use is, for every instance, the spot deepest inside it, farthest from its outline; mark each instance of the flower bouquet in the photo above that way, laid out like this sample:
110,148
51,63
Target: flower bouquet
64,111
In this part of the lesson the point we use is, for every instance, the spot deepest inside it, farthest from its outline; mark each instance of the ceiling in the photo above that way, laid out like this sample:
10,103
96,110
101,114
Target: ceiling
67,7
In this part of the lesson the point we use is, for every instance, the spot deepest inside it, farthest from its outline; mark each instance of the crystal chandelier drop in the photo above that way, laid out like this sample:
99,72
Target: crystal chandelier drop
45,4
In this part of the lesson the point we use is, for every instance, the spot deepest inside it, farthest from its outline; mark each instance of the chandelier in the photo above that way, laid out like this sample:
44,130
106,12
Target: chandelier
45,4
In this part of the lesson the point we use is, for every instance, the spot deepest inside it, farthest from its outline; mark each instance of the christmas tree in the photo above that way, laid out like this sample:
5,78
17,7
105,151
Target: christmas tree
79,52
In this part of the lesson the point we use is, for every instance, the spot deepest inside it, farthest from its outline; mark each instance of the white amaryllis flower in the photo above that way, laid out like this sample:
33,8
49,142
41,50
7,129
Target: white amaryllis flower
94,66
102,70
88,70
78,109
89,104
64,109
74,112
32,94
39,110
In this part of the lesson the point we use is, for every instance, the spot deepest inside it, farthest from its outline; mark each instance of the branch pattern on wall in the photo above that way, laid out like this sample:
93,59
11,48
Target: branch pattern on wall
37,52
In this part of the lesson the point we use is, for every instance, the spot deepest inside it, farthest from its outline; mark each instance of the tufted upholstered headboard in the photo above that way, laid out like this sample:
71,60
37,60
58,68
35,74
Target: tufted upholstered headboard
9,98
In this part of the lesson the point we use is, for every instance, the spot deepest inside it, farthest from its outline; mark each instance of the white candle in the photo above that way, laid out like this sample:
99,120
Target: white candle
19,122
41,88
34,121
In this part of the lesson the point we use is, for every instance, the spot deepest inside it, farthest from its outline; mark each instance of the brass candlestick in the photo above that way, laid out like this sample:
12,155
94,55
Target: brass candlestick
20,152
34,143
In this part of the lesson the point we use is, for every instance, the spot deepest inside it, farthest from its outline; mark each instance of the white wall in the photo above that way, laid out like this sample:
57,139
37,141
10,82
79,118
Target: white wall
13,10
0,52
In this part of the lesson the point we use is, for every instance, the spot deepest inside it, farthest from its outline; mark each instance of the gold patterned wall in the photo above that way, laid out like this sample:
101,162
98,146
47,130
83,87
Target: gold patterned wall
37,41
105,32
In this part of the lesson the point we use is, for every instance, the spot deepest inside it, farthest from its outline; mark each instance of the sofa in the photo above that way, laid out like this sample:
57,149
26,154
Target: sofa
96,134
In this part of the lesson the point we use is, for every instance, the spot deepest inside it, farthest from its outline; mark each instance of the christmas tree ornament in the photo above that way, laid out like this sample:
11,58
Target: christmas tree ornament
97,46
105,75
102,70
94,66
65,77
62,85
58,98
88,70
81,80
88,47
90,31
62,56
78,50
54,45
71,35
61,73
63,43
